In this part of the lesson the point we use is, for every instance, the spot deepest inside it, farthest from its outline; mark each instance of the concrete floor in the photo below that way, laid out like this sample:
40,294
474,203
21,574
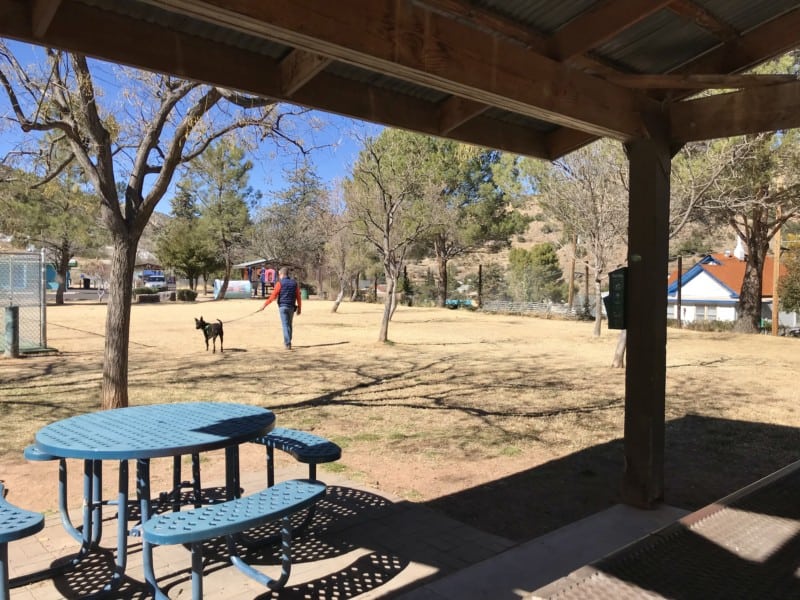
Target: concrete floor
361,545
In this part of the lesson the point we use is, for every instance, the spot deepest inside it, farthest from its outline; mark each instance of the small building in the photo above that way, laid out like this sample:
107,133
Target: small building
261,273
710,290
143,271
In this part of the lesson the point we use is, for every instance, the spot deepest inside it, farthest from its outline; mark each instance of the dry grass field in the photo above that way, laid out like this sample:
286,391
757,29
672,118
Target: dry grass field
463,411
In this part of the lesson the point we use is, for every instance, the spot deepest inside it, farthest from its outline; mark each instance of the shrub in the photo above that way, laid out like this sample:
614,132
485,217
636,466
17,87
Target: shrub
140,291
709,326
187,295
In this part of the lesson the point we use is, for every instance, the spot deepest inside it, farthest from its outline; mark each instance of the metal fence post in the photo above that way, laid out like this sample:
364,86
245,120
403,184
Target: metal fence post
12,332
43,300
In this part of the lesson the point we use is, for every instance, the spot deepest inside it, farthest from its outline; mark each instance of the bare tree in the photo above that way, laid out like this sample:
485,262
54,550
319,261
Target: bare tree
128,156
293,229
343,249
586,192
386,198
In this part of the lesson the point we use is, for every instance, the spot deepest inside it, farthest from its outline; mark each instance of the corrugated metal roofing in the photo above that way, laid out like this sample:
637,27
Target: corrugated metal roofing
657,44
744,15
541,15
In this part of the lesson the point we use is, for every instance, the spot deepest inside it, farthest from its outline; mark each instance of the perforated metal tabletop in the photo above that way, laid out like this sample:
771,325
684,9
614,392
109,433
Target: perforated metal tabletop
155,430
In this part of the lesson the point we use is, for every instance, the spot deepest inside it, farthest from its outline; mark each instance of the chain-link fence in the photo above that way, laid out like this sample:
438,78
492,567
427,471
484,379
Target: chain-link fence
22,284
540,309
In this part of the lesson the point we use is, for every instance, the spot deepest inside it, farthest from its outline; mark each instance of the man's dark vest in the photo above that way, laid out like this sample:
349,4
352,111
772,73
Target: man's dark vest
288,293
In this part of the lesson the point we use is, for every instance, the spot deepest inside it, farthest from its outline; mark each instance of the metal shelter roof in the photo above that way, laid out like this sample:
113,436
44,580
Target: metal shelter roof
537,77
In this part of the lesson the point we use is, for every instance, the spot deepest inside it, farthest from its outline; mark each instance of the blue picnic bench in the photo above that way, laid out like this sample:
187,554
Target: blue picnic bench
304,447
198,525
15,523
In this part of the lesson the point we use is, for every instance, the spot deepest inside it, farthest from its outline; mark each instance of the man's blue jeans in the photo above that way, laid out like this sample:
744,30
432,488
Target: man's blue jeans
287,314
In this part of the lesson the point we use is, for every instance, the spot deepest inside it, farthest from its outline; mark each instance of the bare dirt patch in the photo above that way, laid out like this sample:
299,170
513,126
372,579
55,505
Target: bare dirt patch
513,424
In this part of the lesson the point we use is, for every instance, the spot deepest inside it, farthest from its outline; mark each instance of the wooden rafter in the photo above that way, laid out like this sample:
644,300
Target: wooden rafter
699,82
42,13
565,140
771,39
598,24
456,111
747,111
699,15
298,68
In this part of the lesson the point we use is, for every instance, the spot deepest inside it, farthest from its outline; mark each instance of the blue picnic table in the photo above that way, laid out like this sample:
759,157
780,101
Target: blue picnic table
141,433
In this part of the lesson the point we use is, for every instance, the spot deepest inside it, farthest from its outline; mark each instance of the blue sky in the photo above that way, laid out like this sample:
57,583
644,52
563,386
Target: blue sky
333,139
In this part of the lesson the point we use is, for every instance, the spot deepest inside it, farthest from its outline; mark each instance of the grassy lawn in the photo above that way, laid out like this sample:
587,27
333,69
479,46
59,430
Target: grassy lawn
463,410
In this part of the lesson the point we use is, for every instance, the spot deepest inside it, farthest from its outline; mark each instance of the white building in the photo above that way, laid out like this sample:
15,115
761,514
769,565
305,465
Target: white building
710,290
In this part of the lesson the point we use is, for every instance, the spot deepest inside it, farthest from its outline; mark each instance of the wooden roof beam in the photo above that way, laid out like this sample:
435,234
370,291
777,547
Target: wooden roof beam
724,115
355,99
79,27
404,40
699,82
771,39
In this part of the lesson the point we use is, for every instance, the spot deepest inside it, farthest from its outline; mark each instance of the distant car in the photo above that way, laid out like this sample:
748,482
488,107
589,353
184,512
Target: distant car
156,281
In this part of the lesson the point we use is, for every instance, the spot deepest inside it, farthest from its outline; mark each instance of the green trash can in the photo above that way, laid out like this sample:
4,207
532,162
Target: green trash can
303,294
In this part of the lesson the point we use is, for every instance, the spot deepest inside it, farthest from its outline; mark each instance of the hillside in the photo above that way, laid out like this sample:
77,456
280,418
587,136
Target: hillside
691,243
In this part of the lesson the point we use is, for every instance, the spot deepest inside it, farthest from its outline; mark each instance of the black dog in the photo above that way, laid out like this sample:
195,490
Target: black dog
210,331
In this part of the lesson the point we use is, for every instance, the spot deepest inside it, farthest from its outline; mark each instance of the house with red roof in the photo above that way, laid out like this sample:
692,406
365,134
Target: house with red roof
710,290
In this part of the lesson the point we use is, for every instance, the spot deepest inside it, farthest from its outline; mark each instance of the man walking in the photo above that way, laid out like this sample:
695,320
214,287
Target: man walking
287,292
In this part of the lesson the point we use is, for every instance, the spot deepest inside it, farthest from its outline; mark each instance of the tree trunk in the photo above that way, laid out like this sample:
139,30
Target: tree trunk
61,274
598,308
393,304
340,295
619,352
441,285
338,300
391,284
748,319
354,295
118,319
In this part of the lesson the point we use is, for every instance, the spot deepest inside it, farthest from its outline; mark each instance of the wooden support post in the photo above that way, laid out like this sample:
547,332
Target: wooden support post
645,375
